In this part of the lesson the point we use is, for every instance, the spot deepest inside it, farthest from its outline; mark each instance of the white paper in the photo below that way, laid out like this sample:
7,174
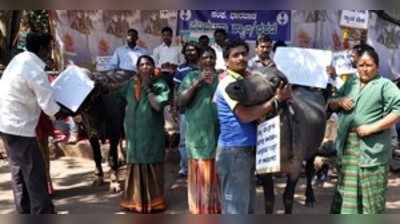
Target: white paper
268,152
354,19
103,63
304,66
71,87
341,61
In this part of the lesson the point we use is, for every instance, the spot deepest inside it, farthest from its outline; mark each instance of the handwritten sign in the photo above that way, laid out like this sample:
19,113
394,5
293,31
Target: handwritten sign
71,87
304,66
354,19
103,63
268,152
341,61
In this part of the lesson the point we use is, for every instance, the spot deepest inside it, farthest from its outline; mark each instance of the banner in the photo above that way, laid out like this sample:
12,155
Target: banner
246,24
385,38
84,35
316,29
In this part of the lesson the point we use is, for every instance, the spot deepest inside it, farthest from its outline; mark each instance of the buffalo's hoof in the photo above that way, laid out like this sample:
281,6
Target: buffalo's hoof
98,181
115,187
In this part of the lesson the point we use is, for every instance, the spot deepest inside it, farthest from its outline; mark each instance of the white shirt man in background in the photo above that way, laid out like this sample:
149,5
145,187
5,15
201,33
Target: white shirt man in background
220,38
167,55
125,57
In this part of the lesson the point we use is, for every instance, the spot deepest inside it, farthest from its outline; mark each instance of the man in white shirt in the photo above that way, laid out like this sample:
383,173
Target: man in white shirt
220,38
167,55
125,57
24,92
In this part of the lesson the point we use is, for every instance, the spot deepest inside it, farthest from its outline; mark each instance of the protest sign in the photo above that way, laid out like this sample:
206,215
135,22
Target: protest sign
304,66
71,87
268,152
103,63
354,19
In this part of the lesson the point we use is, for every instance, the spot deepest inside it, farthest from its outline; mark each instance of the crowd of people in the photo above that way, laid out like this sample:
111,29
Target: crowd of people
218,135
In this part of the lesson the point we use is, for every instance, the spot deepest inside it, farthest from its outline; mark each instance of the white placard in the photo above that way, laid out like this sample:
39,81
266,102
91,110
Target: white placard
71,87
341,61
354,19
103,63
304,66
268,151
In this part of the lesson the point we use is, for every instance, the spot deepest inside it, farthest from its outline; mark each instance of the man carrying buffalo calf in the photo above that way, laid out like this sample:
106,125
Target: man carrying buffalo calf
235,156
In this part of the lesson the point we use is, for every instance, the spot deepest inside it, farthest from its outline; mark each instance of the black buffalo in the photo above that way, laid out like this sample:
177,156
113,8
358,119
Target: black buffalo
103,116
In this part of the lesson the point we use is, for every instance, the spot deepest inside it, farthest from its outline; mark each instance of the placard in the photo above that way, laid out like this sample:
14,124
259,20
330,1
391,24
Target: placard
103,63
71,87
304,66
268,151
354,19
341,61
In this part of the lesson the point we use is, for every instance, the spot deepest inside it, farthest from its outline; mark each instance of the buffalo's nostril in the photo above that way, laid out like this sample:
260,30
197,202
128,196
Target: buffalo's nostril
236,87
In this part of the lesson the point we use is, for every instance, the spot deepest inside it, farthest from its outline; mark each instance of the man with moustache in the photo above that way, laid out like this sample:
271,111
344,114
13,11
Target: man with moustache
235,155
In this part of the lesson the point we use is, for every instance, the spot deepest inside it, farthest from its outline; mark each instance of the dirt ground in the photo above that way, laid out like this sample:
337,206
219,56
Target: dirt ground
75,194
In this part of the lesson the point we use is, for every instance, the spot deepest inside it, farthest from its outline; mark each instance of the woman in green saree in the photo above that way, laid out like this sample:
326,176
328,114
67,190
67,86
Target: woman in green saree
146,97
368,105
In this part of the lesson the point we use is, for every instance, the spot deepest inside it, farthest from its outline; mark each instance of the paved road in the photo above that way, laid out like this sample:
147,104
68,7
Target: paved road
75,195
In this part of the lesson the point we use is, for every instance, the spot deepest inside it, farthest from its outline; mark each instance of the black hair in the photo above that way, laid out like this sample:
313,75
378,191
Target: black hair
167,29
35,40
133,30
145,57
208,49
233,44
263,38
360,48
203,37
370,51
220,30
279,43
193,44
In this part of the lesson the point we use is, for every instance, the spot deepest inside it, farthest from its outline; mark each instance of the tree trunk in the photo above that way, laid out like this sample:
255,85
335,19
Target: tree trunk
9,23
